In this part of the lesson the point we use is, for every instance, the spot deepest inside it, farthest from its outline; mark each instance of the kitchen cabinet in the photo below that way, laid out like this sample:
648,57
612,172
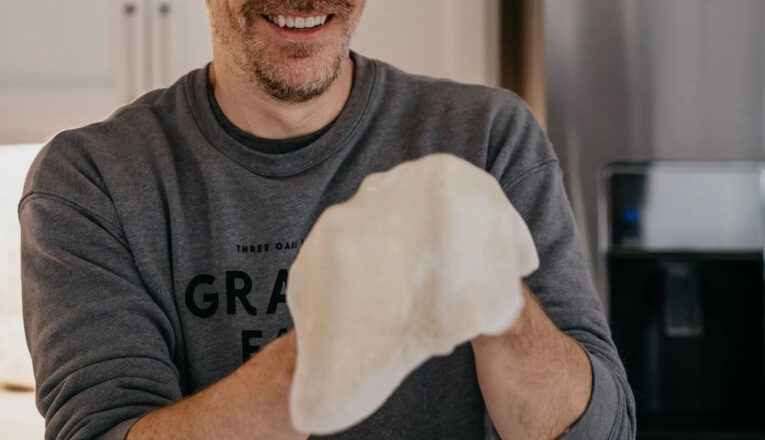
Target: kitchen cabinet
68,63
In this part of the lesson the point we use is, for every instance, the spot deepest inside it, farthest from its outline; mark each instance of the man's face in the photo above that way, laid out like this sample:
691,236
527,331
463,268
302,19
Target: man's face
273,43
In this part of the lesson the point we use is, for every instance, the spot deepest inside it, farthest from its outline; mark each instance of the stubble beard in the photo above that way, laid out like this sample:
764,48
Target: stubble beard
290,82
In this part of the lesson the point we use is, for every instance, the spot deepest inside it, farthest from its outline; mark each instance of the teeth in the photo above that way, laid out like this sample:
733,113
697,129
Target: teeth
298,22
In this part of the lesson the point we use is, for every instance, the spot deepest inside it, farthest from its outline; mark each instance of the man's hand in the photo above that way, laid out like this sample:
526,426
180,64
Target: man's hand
535,380
251,403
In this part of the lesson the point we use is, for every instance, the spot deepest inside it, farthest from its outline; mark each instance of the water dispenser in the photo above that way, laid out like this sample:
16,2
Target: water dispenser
682,245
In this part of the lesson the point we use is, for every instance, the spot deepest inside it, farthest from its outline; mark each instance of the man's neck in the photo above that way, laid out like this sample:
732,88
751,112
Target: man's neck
253,110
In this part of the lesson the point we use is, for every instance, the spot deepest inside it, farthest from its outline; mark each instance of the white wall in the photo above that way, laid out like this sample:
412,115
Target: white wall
455,39
14,163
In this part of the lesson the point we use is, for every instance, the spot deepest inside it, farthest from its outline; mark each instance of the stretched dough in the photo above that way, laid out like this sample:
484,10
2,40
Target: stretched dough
422,258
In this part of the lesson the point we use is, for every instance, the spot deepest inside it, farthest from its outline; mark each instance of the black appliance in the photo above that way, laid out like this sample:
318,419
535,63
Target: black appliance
683,251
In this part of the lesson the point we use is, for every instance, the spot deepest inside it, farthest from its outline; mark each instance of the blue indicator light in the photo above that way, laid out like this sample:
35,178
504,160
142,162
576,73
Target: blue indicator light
630,215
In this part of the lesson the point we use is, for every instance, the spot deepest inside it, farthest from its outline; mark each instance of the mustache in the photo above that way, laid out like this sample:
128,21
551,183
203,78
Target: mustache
254,8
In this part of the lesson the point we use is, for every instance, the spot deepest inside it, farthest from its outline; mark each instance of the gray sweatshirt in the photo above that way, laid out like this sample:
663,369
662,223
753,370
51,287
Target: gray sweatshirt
156,248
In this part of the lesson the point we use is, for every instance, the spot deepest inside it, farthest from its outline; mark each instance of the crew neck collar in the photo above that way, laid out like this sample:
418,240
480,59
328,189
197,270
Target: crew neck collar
290,163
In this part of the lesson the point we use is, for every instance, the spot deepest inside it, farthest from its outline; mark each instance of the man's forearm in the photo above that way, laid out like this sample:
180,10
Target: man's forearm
535,379
250,403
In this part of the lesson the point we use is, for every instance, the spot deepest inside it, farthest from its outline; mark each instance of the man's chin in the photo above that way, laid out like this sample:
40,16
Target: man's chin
294,96
296,90
299,80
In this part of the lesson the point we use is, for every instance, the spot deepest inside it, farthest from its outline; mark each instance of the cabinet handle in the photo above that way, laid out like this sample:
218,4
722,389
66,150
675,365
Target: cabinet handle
130,9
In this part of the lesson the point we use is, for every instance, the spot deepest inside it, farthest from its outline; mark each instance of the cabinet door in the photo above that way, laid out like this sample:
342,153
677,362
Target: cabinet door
180,35
65,64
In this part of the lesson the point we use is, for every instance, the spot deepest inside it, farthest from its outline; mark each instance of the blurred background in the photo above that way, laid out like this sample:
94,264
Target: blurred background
656,109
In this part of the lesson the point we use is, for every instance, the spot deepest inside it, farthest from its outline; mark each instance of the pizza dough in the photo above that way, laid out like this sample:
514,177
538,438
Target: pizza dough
422,258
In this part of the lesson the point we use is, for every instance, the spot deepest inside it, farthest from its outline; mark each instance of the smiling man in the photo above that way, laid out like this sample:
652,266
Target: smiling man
156,243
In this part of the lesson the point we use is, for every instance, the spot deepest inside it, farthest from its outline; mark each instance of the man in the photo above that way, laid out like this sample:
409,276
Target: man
155,247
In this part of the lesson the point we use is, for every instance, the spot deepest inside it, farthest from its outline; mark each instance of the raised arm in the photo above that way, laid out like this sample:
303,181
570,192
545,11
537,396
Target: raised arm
251,403
536,378
103,346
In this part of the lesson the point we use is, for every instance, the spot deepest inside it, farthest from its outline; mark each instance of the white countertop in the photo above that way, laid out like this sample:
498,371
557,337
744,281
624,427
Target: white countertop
19,418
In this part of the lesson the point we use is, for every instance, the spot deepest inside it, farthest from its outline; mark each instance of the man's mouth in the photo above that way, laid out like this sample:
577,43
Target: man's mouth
299,23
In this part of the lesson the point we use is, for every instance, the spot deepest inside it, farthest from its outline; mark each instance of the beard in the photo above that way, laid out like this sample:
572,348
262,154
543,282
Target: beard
292,72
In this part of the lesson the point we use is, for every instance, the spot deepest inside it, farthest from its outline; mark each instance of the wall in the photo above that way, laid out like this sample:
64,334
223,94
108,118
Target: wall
444,38
14,163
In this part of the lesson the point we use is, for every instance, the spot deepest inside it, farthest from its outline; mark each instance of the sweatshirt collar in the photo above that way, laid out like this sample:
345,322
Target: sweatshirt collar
284,164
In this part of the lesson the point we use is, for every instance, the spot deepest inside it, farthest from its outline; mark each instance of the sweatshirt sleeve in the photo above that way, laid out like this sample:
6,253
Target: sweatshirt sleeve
564,287
101,347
